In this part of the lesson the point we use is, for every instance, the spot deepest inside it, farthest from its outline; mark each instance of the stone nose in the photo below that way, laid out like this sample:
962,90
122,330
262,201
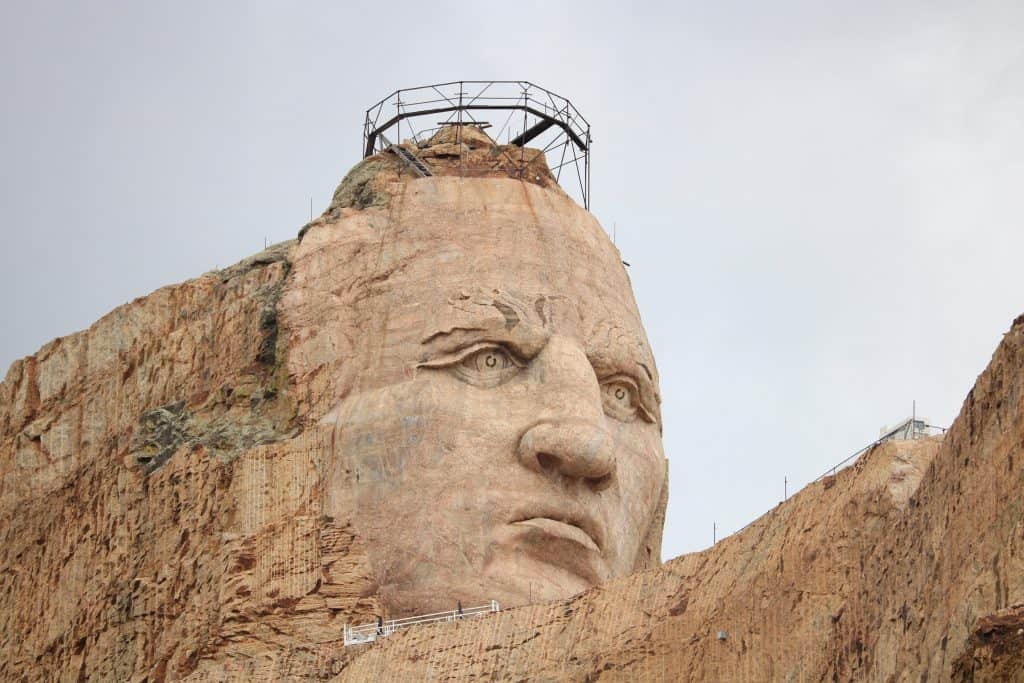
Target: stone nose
575,447
570,436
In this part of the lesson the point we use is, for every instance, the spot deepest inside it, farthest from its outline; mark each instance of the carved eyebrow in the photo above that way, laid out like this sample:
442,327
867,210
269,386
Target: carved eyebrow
647,371
450,330
606,365
524,339
612,354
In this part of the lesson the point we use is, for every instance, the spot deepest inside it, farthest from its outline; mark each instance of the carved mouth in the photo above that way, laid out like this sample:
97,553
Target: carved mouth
582,531
560,530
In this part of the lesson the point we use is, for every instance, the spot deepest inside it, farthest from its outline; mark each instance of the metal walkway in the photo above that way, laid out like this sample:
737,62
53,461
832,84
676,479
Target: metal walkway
410,159
368,633
535,116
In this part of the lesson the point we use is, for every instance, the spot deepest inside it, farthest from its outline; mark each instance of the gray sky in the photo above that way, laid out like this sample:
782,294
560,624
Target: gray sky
821,202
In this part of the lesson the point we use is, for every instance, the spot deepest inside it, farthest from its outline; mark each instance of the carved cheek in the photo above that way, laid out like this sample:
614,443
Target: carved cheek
641,474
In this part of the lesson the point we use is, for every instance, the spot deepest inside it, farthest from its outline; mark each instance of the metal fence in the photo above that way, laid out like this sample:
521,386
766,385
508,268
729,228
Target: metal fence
532,114
368,633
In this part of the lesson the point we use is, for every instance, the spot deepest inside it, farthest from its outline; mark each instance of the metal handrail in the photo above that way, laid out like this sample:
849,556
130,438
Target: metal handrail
528,85
368,633
547,117
835,469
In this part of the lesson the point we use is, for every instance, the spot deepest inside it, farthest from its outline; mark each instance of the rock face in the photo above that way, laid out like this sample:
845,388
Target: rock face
209,482
116,449
442,394
494,400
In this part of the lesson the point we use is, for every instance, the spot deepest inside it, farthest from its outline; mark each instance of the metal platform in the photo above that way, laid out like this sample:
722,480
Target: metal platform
535,115
368,633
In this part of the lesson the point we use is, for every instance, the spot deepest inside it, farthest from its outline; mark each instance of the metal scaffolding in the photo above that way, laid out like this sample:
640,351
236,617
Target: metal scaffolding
535,115
368,633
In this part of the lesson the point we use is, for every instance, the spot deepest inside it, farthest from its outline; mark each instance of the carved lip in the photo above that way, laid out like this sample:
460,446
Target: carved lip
553,527
580,528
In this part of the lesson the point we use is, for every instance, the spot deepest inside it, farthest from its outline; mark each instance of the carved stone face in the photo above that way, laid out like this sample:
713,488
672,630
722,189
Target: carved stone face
499,436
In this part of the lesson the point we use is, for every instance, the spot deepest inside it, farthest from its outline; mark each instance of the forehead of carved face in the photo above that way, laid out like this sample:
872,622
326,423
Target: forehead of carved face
499,435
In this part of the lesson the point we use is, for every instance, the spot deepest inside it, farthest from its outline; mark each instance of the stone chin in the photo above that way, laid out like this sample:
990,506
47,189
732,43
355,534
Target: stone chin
495,403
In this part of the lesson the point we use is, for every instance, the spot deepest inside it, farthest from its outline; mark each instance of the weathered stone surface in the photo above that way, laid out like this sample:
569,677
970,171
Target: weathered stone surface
211,480
495,400
995,651
111,497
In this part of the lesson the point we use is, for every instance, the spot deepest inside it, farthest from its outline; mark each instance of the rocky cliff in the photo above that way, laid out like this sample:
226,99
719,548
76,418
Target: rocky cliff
163,481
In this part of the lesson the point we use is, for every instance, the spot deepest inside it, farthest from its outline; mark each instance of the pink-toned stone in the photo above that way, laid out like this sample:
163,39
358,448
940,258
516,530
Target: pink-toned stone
393,315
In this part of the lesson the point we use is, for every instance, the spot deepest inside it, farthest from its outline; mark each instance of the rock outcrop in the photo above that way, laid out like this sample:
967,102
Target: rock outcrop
170,502
116,451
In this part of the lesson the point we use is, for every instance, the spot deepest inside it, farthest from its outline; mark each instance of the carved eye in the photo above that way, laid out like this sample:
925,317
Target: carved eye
488,360
486,365
620,398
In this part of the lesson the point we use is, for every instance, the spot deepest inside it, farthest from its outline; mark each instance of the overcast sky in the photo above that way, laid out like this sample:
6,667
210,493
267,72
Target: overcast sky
821,202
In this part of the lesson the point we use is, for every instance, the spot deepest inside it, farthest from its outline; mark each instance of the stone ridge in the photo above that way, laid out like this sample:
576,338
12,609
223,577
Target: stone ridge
115,452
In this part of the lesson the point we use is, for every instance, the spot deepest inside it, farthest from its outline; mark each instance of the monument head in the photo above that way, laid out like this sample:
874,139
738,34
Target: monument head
494,400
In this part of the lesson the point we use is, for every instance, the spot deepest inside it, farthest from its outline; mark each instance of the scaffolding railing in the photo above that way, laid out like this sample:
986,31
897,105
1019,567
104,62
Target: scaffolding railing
910,429
535,115
368,633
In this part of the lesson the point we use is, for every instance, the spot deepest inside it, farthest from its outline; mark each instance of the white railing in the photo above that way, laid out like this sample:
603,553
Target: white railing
367,633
